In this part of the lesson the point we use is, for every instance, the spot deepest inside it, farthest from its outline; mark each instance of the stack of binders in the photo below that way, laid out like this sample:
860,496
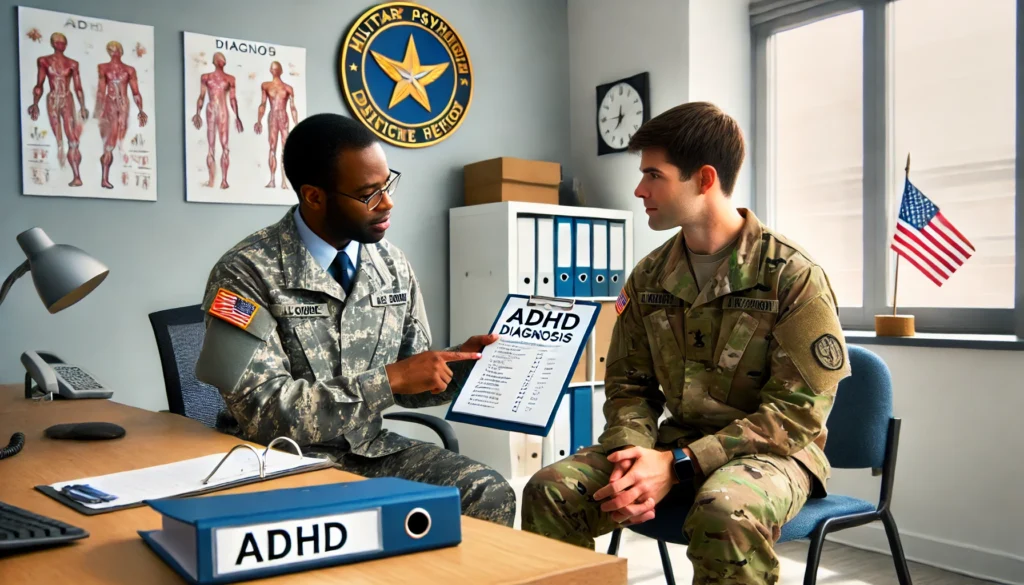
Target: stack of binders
222,539
570,257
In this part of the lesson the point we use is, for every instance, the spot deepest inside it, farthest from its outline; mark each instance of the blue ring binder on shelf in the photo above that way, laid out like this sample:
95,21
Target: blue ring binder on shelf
236,537
461,409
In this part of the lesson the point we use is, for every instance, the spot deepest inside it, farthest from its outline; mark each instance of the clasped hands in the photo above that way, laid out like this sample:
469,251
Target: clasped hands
640,480
429,371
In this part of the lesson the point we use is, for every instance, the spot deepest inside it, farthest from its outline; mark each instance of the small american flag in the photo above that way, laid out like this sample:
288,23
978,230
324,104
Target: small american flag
233,308
926,239
621,302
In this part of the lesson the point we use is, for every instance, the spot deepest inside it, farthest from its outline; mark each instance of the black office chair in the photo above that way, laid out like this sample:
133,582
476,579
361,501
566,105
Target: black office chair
179,339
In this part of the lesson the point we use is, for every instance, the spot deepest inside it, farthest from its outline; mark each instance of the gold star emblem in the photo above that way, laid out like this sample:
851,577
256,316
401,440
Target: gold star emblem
464,81
353,67
410,77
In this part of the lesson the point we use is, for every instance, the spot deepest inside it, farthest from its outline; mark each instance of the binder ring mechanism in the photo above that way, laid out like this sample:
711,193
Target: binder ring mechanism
551,303
261,459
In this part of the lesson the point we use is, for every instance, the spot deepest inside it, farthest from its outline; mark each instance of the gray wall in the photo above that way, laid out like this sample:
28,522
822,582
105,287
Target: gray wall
159,253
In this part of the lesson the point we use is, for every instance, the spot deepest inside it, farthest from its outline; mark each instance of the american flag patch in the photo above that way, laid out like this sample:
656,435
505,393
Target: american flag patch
621,302
233,308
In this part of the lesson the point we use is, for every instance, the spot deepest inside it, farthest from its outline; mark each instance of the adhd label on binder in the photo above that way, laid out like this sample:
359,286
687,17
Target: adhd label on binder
261,546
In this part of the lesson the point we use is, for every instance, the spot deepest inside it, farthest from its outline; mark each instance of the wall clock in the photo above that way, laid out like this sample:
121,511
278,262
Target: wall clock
622,107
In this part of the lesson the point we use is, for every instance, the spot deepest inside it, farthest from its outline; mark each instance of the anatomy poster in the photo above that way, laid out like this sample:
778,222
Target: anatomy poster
87,105
241,99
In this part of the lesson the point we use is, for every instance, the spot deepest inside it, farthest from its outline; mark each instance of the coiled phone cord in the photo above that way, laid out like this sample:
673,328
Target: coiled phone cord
12,448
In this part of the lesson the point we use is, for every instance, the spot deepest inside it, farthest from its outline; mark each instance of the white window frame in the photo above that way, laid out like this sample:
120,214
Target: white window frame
878,170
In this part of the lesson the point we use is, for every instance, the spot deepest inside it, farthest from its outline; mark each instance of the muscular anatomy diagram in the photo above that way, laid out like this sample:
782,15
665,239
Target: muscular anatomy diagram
222,88
279,93
112,106
60,105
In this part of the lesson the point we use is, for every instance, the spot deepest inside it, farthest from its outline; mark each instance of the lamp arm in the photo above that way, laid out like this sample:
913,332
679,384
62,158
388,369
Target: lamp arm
18,273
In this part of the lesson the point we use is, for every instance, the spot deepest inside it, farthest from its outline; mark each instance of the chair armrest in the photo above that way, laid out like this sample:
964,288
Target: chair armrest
438,425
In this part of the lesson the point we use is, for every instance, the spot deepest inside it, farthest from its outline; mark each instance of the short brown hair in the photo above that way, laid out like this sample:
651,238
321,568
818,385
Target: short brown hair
695,134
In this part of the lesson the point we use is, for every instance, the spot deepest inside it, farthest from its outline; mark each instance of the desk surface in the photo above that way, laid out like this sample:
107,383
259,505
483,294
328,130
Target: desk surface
114,552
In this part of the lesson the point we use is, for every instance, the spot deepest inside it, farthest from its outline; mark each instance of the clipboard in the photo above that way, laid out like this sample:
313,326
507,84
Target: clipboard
135,485
560,385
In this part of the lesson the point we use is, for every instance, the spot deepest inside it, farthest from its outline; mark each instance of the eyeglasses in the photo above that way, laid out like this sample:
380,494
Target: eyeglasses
373,199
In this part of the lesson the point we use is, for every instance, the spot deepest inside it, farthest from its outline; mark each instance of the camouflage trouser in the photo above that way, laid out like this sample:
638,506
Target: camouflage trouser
485,494
733,519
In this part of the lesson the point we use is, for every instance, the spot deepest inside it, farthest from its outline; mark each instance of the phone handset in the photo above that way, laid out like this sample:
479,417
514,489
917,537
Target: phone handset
54,377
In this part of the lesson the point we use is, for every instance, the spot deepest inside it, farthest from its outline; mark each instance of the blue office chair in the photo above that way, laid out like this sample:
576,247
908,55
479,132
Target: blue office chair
862,433
179,339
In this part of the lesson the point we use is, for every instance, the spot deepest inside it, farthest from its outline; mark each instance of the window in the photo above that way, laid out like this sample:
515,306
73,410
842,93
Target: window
818,147
844,90
954,91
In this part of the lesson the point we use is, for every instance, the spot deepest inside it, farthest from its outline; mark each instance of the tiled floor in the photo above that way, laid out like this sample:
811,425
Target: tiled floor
840,565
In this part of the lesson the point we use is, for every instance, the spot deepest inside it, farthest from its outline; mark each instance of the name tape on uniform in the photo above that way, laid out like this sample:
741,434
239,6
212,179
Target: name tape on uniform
386,299
660,299
299,310
747,304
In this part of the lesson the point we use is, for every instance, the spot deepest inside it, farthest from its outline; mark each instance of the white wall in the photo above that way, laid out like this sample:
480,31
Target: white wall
610,40
957,498
720,71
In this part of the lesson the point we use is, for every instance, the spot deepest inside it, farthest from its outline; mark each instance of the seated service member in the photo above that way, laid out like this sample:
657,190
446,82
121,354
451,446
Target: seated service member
316,325
735,330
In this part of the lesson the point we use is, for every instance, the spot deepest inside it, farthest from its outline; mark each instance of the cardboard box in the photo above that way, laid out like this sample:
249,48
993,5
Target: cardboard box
580,374
512,179
603,338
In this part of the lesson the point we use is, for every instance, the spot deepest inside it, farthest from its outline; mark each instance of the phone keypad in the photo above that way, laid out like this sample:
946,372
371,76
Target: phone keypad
77,377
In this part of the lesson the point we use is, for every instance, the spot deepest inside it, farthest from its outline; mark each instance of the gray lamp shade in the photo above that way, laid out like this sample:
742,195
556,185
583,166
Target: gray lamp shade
63,274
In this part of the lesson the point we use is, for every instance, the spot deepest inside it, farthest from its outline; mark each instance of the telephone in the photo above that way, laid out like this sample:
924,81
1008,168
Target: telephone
55,377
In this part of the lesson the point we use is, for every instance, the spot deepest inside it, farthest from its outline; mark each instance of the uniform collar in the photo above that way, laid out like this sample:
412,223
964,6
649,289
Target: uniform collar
739,271
302,271
322,252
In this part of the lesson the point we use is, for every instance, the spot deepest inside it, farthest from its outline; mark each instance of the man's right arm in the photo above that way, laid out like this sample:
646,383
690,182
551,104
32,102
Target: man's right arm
634,400
252,371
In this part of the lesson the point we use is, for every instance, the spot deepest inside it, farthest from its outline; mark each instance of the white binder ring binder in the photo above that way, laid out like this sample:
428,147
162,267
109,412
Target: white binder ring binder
262,459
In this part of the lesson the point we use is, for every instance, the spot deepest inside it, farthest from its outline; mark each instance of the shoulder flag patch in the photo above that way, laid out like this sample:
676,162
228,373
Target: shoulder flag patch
621,302
234,309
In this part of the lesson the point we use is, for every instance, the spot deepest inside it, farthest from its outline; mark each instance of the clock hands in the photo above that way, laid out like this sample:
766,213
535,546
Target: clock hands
621,116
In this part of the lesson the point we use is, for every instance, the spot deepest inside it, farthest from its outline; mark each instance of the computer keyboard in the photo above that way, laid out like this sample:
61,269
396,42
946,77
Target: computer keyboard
21,528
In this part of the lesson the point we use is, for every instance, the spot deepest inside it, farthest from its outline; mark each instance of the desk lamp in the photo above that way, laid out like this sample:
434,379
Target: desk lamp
63,275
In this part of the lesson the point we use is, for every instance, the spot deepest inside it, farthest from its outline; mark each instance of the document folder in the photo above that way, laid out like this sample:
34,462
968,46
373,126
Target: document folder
600,258
616,257
223,539
526,252
582,287
546,256
564,253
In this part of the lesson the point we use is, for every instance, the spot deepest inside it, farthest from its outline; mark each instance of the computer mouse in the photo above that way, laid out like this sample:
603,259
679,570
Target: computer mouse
87,431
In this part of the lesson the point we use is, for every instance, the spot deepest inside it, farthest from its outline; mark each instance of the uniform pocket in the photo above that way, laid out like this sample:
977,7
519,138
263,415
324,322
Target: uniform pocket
732,353
314,335
665,351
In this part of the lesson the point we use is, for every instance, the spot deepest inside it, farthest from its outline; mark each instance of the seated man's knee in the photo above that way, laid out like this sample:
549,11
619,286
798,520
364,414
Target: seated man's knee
486,495
719,521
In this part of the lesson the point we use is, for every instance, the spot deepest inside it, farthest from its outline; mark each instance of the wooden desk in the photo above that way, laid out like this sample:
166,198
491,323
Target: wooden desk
114,552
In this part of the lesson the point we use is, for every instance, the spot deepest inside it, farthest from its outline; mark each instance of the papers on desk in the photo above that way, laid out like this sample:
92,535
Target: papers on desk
519,381
242,465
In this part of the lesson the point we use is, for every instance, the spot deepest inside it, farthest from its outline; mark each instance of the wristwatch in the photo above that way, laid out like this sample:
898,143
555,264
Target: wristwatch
683,466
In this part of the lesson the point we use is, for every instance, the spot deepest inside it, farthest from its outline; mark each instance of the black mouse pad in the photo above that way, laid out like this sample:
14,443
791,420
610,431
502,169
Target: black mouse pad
88,431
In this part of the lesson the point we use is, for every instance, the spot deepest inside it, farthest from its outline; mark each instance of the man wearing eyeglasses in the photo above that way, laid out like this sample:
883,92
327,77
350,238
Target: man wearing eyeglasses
315,325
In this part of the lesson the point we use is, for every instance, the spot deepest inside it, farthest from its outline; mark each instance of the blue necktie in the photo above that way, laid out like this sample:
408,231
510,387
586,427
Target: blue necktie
342,270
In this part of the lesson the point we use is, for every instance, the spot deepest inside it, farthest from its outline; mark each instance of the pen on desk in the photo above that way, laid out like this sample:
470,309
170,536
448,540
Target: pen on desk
78,496
88,489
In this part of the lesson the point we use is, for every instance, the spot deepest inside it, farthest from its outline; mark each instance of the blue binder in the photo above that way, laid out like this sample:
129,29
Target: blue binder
581,406
223,539
582,258
616,257
565,253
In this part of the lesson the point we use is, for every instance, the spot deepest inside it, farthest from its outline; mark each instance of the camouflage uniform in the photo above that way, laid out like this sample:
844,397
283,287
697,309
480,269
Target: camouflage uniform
310,364
747,368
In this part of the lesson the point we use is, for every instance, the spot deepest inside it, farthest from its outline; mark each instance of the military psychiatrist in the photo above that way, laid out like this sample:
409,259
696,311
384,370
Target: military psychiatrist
316,324
732,331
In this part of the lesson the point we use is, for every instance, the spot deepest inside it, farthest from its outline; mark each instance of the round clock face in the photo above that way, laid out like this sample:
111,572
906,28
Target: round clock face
620,115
